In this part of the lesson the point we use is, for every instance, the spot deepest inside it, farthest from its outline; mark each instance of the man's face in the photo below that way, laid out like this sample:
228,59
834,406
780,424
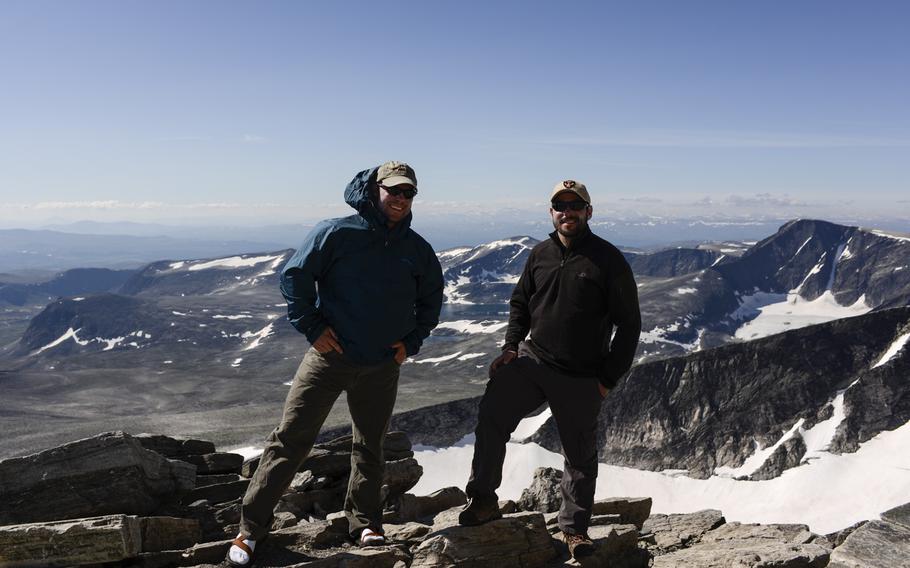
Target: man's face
395,207
570,222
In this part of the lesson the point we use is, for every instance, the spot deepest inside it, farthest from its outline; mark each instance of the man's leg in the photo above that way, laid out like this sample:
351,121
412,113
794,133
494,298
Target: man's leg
317,384
371,398
510,395
575,403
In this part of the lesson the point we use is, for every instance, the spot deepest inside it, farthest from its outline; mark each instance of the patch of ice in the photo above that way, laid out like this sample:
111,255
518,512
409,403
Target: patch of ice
893,350
234,262
79,299
436,360
469,356
236,362
472,326
796,312
259,336
686,290
237,317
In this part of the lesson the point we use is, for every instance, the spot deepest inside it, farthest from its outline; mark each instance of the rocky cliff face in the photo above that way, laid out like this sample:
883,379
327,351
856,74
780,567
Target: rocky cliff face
709,409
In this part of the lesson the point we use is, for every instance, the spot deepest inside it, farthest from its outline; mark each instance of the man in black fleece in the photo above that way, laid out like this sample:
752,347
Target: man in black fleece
576,289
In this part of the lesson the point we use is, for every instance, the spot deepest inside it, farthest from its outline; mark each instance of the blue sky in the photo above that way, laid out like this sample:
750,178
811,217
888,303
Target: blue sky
262,111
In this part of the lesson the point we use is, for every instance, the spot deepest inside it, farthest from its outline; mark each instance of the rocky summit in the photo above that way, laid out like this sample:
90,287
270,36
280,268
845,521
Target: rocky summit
154,501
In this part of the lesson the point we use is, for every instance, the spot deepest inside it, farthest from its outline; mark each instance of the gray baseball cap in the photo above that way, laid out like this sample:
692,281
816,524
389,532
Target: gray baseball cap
396,173
572,186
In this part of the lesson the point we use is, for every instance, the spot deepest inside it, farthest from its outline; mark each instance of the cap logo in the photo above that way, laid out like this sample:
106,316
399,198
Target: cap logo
568,184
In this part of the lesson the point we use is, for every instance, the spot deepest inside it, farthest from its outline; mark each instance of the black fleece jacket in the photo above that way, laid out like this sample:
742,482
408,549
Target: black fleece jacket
570,299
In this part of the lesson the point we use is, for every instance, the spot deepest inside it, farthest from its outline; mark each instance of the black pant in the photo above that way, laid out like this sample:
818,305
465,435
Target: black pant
514,391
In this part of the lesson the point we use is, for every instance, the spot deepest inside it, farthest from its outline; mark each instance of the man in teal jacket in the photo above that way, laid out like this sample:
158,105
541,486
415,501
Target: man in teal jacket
366,290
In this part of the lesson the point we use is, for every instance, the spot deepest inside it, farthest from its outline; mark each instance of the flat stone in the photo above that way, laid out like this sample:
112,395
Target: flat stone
217,462
168,533
876,544
518,540
114,474
219,492
376,557
671,532
899,515
214,479
64,543
749,553
632,510
174,447
411,507
407,533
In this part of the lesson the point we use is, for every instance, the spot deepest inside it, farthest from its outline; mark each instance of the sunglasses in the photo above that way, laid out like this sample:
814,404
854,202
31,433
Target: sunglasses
407,192
566,205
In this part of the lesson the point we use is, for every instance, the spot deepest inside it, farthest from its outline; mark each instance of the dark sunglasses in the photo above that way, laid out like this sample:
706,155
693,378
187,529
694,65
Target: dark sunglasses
566,205
407,192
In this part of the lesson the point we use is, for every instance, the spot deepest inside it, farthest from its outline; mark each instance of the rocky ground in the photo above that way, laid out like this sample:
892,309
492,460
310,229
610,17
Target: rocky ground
153,501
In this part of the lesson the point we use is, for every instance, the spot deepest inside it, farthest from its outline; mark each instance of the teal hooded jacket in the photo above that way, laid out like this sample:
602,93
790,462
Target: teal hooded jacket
373,285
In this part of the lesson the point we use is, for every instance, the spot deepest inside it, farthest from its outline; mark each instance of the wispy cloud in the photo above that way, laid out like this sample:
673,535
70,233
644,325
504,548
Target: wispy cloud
254,139
764,199
643,199
728,139
186,139
135,205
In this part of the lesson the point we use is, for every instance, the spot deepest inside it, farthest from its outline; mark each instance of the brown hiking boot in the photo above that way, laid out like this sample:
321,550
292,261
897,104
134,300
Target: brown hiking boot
580,546
477,513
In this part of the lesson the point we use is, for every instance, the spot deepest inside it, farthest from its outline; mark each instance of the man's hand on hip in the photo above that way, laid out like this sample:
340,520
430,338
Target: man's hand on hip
400,351
603,390
327,342
507,357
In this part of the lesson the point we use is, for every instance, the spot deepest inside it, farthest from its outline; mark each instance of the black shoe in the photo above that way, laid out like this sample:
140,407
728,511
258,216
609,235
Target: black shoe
478,512
580,546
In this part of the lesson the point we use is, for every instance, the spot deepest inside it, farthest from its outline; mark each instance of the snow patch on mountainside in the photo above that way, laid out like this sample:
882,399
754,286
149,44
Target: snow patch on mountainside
793,313
893,350
800,495
472,326
233,262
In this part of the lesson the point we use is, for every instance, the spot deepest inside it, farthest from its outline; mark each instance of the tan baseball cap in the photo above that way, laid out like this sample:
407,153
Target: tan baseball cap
573,186
396,173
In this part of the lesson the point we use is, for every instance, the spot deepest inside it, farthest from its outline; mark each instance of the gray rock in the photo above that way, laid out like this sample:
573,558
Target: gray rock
307,536
401,475
785,533
216,462
787,455
899,515
219,492
410,507
519,540
64,543
543,494
203,480
837,538
615,546
378,557
407,533
174,447
168,533
758,553
113,472
632,510
876,544
671,532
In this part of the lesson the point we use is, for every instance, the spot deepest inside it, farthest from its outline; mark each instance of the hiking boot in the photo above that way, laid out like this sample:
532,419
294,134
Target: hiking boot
580,546
479,512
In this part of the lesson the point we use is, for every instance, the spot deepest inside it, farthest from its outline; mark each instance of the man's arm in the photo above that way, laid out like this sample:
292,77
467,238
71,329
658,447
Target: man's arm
626,316
519,312
298,284
427,304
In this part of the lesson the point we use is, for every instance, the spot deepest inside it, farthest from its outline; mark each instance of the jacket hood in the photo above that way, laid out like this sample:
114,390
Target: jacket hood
357,195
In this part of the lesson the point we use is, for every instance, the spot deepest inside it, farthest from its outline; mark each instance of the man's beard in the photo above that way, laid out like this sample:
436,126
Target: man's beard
580,224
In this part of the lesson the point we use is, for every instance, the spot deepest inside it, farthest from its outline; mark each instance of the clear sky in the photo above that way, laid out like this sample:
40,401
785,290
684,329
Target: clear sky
261,111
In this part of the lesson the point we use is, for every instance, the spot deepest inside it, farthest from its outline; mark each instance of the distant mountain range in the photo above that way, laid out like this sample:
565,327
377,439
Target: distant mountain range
202,345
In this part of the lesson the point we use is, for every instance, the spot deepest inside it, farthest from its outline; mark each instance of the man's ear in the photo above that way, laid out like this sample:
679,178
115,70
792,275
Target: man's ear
590,212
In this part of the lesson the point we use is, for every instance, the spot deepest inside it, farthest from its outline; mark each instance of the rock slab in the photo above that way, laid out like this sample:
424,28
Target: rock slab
114,474
65,543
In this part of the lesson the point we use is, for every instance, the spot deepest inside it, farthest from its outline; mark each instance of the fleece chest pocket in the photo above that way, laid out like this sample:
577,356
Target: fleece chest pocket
587,290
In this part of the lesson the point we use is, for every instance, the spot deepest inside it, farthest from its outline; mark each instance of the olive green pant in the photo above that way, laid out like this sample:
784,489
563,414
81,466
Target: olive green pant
319,381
